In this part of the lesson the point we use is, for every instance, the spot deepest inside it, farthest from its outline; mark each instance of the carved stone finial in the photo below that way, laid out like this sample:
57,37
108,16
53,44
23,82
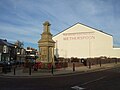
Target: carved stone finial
46,26
46,23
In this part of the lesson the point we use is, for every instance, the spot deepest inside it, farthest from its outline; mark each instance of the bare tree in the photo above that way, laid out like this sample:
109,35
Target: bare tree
19,44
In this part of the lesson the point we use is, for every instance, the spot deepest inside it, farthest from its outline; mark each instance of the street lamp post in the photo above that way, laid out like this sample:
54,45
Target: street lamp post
15,60
52,71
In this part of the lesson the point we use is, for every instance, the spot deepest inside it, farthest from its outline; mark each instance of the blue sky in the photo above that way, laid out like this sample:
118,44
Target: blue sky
23,19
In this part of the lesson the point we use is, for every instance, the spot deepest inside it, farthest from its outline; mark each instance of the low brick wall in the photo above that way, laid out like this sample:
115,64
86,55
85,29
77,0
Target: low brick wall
85,62
95,61
76,64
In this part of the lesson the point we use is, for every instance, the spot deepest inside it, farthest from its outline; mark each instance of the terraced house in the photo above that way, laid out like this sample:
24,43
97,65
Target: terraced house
7,51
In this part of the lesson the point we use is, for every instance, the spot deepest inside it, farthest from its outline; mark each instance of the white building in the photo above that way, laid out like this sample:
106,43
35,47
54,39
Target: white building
83,42
31,53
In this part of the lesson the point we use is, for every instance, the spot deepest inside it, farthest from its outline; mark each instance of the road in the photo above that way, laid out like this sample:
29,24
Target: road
100,80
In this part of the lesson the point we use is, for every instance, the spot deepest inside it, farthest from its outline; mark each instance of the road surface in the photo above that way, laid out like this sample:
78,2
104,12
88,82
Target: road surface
100,80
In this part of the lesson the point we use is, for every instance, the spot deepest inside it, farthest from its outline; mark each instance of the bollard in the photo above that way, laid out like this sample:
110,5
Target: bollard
100,62
73,67
116,61
89,65
30,70
5,69
52,70
14,70
64,65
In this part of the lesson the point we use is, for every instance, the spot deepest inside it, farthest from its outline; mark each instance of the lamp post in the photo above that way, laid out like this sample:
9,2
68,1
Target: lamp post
15,60
52,71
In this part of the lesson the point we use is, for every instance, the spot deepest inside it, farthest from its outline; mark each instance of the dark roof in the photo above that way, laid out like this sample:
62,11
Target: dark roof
4,42
86,26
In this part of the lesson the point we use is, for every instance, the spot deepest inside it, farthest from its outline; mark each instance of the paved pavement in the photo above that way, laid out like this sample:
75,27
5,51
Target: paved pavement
63,71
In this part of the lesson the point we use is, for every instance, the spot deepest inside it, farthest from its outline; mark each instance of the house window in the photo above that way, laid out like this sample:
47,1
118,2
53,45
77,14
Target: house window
5,49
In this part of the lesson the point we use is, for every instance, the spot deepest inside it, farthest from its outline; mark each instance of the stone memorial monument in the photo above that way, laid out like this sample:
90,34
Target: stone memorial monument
46,45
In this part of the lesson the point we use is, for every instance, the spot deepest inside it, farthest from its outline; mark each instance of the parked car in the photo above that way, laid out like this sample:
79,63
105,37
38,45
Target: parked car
1,63
6,66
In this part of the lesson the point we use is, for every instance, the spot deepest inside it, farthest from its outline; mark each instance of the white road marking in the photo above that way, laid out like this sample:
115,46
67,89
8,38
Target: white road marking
77,88
80,88
94,80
